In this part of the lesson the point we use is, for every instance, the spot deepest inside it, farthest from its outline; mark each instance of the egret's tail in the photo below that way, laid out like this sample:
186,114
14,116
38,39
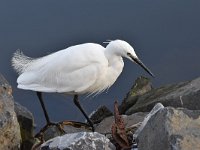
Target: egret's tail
20,61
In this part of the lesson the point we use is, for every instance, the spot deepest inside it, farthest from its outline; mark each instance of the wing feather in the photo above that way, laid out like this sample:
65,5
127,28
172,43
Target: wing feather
72,70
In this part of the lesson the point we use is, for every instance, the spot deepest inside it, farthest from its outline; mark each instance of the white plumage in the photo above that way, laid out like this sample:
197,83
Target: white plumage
84,68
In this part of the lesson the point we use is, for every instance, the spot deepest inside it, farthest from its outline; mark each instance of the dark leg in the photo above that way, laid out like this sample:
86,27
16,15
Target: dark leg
49,123
60,125
76,102
39,94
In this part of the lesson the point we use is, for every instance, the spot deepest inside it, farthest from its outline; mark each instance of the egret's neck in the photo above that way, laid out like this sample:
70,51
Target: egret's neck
115,67
115,61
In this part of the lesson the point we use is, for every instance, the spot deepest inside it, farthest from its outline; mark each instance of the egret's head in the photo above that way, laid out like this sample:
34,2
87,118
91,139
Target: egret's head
124,49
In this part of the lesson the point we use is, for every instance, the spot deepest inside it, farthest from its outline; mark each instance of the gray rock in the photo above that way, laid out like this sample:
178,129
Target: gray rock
185,94
97,116
54,131
79,141
101,113
104,127
141,86
156,108
171,129
10,137
25,119
51,132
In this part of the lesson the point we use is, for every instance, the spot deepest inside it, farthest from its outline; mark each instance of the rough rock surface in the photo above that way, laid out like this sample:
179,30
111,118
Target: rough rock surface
101,113
171,129
104,127
79,141
185,94
25,119
53,131
141,86
158,107
9,127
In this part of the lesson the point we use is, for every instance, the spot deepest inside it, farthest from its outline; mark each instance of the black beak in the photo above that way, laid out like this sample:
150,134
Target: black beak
139,62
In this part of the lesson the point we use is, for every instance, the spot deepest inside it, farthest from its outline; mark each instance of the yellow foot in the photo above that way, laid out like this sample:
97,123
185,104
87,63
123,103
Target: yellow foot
75,124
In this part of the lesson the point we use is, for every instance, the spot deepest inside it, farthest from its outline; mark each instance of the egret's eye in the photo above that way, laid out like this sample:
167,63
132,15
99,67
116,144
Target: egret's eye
129,54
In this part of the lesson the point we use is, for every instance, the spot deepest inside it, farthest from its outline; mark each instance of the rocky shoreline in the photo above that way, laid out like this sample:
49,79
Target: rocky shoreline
175,126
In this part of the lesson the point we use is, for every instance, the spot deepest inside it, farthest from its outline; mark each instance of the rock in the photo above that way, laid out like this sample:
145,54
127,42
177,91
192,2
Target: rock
141,86
104,127
158,107
10,137
185,94
79,141
101,113
171,129
25,119
131,122
53,131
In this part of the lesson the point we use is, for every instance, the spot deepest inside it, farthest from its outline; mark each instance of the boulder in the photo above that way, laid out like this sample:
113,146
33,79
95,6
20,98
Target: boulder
79,141
26,122
171,129
10,137
101,113
158,107
141,86
97,116
53,131
104,127
185,94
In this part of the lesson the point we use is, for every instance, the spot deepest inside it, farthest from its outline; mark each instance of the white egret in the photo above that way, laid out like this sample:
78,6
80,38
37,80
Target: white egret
80,69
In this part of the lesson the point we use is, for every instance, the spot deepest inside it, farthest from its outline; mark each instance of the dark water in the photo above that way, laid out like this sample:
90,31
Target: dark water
165,35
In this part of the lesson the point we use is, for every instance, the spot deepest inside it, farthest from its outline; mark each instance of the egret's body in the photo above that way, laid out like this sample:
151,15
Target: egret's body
80,69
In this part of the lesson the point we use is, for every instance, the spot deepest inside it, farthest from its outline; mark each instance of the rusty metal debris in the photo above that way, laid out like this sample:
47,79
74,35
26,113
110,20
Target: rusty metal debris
119,131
